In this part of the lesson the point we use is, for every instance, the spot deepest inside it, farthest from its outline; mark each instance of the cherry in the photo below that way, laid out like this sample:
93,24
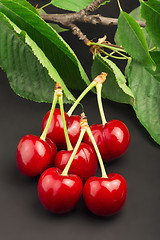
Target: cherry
56,131
59,193
105,196
112,139
84,164
35,155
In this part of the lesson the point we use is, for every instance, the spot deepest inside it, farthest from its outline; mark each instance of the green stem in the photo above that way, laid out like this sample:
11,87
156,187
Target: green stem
45,6
69,146
107,46
100,105
91,85
152,49
112,56
119,5
66,169
122,54
45,131
89,132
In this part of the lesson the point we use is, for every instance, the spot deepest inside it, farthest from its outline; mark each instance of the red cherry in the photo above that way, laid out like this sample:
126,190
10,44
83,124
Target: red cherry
112,139
53,148
56,131
105,196
58,193
84,164
74,128
35,155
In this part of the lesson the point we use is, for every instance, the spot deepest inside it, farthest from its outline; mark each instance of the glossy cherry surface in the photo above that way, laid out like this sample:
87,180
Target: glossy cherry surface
105,196
112,139
53,148
58,193
34,155
84,163
56,132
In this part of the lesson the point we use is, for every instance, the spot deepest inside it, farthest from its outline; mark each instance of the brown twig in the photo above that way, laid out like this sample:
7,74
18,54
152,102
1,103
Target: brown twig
77,31
69,18
93,6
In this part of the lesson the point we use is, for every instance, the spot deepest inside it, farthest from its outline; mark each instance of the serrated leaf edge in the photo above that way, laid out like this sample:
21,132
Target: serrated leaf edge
120,85
31,44
70,54
141,121
139,40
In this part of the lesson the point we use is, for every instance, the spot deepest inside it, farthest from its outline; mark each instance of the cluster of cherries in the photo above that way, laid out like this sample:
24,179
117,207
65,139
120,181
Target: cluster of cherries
67,174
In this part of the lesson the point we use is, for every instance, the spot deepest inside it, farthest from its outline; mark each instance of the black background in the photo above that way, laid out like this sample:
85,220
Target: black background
22,217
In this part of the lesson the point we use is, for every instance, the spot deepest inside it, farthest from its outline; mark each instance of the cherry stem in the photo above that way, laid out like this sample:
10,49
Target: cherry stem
69,145
45,131
89,132
66,169
119,5
114,48
91,85
116,57
45,6
100,105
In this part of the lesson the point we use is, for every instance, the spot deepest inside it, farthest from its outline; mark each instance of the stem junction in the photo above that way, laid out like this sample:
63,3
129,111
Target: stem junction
99,79
84,126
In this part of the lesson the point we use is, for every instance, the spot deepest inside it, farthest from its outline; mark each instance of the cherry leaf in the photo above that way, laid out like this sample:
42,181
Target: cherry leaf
146,88
115,87
54,47
73,5
34,81
133,39
150,11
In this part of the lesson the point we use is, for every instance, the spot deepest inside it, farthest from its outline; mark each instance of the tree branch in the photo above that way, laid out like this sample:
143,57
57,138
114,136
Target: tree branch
84,16
71,18
77,31
93,6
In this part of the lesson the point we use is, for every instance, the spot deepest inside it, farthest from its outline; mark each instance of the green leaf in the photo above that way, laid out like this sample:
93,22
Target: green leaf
136,14
114,88
156,57
30,73
55,48
133,40
146,90
73,5
150,11
27,5
56,27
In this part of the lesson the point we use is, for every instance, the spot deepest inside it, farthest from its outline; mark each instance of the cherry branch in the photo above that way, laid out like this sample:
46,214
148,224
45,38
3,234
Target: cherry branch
84,16
93,6
77,32
71,18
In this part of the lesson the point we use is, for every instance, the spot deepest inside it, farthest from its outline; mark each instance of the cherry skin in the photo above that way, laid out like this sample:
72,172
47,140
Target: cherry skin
58,193
112,139
105,196
56,131
84,163
97,131
35,155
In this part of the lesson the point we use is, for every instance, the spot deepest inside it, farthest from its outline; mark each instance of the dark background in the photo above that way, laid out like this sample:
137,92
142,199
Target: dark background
22,217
